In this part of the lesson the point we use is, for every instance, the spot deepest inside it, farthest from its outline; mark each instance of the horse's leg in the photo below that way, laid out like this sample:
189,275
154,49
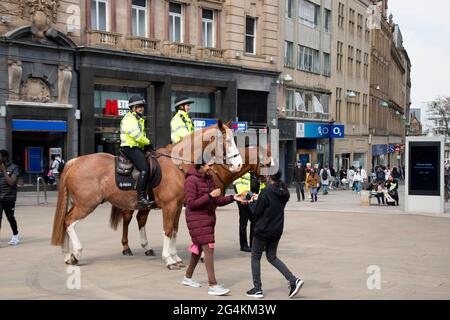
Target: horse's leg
173,245
142,221
127,215
71,221
66,245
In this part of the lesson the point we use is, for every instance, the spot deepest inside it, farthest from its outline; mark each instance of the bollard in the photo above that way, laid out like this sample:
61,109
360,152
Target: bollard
39,180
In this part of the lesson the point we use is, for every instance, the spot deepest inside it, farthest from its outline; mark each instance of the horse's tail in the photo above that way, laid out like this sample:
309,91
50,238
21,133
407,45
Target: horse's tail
59,231
116,217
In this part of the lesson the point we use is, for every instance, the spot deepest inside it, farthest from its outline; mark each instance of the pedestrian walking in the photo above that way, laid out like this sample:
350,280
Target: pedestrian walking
9,174
269,217
299,180
325,176
202,198
343,177
350,176
357,181
333,179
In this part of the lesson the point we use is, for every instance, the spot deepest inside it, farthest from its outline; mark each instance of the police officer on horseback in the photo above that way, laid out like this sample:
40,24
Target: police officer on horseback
181,124
134,143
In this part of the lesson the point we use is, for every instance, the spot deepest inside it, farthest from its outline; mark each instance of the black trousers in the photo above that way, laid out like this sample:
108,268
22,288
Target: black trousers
9,208
245,215
300,188
137,156
271,252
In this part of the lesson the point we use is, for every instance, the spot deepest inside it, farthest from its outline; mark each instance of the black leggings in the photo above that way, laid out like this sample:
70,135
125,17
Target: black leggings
9,207
137,156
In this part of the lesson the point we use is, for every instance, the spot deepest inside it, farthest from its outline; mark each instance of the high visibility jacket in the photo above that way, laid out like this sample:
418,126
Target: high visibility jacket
243,183
132,131
180,126
262,185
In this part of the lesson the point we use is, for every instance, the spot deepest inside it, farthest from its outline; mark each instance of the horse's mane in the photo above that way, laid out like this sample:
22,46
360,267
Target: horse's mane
188,137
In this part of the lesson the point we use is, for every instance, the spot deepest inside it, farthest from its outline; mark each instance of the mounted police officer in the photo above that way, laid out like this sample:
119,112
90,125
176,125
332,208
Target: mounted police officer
133,144
181,124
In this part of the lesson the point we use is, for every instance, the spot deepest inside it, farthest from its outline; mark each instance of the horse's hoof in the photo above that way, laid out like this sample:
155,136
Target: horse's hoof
181,264
127,252
149,253
173,267
72,261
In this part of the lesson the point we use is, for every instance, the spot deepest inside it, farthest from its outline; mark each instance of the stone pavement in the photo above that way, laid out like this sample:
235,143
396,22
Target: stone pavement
330,244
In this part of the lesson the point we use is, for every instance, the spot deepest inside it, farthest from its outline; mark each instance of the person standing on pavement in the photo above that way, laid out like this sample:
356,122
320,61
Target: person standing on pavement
350,176
325,177
313,183
56,164
9,174
357,179
392,188
342,177
269,217
299,179
333,178
243,185
201,198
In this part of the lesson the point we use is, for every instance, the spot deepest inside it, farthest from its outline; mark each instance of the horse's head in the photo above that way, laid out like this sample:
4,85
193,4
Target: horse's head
224,149
265,160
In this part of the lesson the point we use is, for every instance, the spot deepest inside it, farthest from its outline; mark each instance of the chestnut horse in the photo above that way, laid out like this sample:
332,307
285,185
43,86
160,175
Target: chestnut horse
223,177
90,180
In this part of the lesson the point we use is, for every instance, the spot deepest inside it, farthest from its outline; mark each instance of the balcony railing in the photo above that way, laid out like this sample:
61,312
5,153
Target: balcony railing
308,115
143,44
104,38
212,53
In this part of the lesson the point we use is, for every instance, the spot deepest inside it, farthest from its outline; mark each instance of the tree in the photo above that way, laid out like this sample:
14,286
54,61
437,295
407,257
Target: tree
439,111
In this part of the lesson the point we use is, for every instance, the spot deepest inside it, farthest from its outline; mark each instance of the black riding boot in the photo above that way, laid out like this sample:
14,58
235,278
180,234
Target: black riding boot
143,202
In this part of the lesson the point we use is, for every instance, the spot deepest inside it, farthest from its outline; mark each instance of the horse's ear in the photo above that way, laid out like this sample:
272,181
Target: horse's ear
220,124
228,124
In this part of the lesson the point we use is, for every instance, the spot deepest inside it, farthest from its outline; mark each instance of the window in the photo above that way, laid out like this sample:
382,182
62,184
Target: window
288,54
327,20
351,21
175,22
250,35
99,16
340,55
308,60
139,18
208,28
365,108
309,13
350,60
326,64
357,107
358,62
367,33
338,104
366,66
290,103
341,17
289,9
360,25
204,102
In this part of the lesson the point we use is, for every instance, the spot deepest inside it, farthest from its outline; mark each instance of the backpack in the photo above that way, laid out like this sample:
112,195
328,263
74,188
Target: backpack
325,174
61,165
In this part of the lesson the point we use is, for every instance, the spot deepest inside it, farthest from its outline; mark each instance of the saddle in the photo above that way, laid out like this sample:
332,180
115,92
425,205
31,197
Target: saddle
127,174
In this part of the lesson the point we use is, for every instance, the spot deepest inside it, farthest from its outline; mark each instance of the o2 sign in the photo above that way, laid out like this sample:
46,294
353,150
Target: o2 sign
337,131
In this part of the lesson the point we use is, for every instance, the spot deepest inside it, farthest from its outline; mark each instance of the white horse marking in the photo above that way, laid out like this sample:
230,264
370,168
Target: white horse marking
76,244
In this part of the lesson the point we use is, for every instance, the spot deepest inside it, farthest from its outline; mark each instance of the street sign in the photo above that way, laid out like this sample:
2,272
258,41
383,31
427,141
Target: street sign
240,126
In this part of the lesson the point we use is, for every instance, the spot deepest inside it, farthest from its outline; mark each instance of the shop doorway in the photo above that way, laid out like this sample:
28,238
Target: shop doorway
31,151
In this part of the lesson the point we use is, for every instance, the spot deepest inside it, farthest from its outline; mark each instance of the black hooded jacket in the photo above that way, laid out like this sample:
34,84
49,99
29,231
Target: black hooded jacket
268,212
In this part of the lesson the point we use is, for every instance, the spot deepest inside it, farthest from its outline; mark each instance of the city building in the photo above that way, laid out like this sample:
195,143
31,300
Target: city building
390,88
72,66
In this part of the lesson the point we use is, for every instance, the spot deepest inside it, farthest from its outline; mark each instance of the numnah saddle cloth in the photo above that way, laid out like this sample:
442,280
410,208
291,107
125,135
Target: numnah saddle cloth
126,174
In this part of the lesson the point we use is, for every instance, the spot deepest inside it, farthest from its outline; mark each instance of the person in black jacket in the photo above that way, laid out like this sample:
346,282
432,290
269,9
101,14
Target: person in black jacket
268,213
299,179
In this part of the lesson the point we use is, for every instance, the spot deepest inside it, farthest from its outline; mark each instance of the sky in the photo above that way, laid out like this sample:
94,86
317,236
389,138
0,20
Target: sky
425,26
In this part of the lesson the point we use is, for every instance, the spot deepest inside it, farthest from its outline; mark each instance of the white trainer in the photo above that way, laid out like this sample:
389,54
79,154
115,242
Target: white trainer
191,283
218,290
14,240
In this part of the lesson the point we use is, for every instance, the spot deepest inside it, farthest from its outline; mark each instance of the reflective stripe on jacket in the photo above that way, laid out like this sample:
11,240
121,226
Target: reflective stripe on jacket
243,183
132,131
180,126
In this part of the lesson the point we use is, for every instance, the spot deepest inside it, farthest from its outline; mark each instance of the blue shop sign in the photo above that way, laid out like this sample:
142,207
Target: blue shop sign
39,125
319,130
204,123
379,149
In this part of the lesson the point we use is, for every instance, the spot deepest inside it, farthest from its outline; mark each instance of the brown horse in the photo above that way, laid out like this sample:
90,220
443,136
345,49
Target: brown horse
90,180
223,177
